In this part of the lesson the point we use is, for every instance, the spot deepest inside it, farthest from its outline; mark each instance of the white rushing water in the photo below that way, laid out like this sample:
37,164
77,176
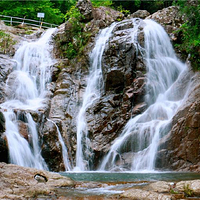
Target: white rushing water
140,137
25,90
92,93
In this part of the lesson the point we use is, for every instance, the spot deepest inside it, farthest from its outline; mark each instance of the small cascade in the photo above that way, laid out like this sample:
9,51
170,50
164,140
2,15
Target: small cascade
25,90
64,149
19,148
135,149
84,153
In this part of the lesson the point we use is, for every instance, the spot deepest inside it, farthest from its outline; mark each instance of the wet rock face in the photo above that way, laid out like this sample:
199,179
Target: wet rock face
65,105
6,67
3,143
124,80
182,146
119,58
171,20
51,148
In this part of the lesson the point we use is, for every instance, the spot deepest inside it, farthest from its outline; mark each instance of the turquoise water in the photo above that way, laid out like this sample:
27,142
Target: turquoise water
107,186
130,177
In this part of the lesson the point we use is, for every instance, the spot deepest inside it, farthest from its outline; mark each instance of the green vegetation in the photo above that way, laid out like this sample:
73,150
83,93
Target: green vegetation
30,8
173,191
97,3
187,191
189,31
76,37
134,5
55,10
5,42
59,11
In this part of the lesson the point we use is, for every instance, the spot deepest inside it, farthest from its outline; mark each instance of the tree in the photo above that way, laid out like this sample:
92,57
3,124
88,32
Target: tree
189,31
30,8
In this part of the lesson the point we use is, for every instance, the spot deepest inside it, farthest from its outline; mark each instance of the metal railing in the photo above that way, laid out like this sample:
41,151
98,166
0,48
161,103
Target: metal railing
30,22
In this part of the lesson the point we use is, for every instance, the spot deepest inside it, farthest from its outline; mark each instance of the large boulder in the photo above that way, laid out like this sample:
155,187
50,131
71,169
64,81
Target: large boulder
86,9
139,14
190,188
26,183
170,18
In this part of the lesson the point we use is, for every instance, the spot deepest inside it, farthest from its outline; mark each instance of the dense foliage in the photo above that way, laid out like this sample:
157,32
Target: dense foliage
63,10
134,5
30,8
190,31
55,10
77,38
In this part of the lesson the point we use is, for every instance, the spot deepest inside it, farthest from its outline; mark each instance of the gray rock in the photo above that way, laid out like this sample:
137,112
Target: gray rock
139,14
27,186
189,186
86,9
136,194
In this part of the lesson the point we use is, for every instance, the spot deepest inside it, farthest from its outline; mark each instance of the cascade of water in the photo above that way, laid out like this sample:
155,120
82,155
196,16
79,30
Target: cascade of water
92,93
137,145
64,149
19,149
25,89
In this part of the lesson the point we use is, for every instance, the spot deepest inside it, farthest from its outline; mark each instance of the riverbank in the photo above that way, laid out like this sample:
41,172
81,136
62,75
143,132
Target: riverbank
18,182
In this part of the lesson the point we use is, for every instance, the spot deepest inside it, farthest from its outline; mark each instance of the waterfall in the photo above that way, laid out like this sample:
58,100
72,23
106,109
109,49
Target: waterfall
138,142
25,90
92,92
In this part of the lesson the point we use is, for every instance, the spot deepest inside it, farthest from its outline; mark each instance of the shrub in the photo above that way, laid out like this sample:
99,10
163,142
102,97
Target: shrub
6,42
189,31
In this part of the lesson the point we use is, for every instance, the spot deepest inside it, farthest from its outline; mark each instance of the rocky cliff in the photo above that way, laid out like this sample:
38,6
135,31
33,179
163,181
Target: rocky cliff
123,97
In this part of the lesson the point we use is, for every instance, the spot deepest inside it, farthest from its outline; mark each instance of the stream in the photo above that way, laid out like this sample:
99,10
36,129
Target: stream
105,185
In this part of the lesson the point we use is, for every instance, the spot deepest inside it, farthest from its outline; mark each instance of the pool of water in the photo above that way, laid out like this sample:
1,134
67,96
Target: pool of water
130,176
106,185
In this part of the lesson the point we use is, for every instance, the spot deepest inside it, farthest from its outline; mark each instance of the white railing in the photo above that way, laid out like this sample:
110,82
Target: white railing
30,22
